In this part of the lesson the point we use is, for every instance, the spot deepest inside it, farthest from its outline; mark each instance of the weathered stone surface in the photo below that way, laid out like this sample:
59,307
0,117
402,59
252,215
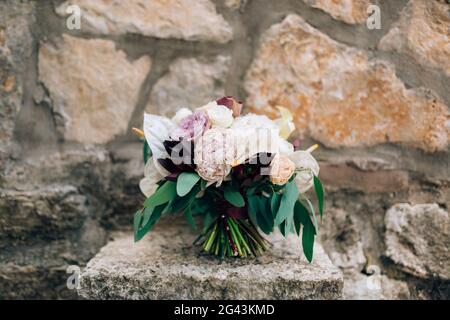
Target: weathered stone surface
422,33
342,240
94,88
345,176
187,20
358,286
349,11
123,191
191,83
165,266
417,239
47,211
337,93
79,166
15,51
37,270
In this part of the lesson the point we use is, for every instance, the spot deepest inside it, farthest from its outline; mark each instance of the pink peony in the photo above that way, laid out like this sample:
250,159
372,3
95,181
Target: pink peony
192,126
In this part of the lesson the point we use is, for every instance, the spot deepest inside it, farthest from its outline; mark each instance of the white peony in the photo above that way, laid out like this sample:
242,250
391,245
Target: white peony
254,121
213,154
306,167
181,114
219,115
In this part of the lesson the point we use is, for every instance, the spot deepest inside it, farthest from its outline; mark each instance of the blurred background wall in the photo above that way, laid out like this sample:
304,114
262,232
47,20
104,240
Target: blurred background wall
375,99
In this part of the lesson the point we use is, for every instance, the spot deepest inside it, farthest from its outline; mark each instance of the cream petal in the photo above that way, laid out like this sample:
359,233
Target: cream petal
285,147
181,114
156,130
152,175
307,167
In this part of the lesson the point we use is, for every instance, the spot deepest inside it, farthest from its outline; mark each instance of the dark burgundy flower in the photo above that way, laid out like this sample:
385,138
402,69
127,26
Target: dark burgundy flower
231,103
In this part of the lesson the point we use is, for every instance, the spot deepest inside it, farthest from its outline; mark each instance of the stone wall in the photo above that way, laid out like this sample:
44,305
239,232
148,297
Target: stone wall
377,102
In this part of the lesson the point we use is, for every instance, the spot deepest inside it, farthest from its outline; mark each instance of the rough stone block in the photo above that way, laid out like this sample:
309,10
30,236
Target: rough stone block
164,265
417,239
337,92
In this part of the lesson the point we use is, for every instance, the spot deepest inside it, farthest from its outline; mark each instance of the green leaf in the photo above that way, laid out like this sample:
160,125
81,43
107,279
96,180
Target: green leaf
253,208
308,240
165,193
313,213
264,218
137,222
147,214
282,228
287,203
185,182
234,197
189,218
151,222
301,216
181,203
146,151
275,203
320,195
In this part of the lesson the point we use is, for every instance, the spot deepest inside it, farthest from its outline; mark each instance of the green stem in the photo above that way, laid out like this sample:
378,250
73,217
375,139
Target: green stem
235,239
238,232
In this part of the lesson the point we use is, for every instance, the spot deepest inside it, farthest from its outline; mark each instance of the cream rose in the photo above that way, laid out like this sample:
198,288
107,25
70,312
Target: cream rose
281,170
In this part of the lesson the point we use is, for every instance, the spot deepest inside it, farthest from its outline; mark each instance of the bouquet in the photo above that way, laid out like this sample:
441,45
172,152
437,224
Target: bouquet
237,174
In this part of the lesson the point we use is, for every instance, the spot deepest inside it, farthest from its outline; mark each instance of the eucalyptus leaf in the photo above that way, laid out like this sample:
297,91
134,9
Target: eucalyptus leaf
264,218
313,214
320,194
287,203
165,193
185,182
147,214
301,216
253,208
151,222
275,203
181,203
234,197
136,223
308,240
282,228
189,218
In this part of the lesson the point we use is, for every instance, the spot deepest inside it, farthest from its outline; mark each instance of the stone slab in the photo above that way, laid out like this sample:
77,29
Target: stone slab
164,265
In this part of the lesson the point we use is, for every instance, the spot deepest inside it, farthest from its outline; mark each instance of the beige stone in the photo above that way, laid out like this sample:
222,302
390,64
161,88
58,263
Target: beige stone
179,19
165,265
338,95
417,239
423,33
342,240
190,82
344,176
93,86
16,45
349,11
358,286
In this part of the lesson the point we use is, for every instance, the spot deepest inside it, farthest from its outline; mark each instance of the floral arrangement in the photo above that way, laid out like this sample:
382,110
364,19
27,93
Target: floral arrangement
237,173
